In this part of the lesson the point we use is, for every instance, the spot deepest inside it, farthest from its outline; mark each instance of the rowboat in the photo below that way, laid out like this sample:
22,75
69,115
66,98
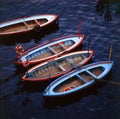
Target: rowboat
78,79
50,49
57,67
27,24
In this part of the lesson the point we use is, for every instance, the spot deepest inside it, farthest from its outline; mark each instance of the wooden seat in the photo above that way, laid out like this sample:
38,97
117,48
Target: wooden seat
62,46
26,24
60,66
52,50
37,22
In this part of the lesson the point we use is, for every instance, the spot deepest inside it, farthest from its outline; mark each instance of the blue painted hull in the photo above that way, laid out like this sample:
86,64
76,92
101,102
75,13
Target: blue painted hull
78,79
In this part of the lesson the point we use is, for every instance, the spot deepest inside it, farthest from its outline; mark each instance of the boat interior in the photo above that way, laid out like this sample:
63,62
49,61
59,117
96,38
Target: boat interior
23,25
50,50
78,80
59,66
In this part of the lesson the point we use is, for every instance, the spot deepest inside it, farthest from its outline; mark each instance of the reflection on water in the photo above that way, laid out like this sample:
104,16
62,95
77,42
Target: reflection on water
57,102
37,36
106,8
26,101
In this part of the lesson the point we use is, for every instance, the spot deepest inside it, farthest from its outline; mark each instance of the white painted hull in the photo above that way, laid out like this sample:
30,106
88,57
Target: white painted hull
50,50
58,66
23,25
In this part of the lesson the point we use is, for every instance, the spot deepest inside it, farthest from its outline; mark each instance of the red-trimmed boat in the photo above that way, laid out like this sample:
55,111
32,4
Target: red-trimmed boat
57,67
27,24
50,50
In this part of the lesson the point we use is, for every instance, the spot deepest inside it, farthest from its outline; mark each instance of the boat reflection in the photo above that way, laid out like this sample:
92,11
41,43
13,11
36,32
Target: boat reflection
106,8
53,103
28,37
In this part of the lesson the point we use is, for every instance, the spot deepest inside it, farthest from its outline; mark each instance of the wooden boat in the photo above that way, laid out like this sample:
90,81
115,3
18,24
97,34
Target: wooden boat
57,67
78,79
27,24
50,50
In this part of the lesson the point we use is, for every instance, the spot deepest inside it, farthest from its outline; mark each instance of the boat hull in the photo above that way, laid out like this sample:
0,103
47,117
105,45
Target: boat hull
58,66
80,78
51,44
31,30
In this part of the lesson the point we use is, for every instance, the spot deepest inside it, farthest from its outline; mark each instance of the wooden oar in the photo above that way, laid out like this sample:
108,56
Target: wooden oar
88,46
79,27
110,52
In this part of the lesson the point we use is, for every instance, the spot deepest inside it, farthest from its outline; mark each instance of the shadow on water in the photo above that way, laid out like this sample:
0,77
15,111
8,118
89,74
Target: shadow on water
104,8
17,87
17,73
53,103
31,87
27,88
27,37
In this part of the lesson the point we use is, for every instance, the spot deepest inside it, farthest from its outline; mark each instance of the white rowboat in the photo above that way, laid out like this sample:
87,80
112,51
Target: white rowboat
50,50
58,66
27,24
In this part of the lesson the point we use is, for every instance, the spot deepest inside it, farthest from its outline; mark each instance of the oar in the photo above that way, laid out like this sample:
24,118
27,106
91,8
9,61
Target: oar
110,52
79,27
88,46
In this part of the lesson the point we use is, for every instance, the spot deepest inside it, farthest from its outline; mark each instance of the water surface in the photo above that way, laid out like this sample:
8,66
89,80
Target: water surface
21,101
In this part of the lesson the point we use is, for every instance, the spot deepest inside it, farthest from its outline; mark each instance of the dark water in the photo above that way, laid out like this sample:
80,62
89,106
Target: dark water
24,101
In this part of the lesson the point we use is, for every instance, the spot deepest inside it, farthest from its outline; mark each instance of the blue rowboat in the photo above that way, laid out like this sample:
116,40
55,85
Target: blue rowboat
78,79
